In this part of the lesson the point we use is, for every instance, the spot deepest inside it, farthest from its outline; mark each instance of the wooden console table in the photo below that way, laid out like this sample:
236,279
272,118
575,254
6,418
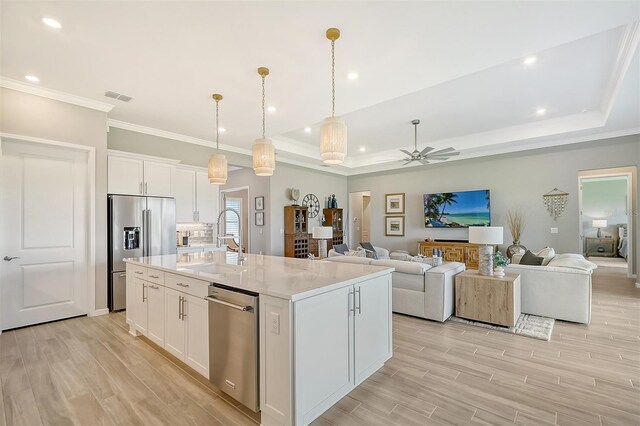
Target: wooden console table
488,298
606,247
453,251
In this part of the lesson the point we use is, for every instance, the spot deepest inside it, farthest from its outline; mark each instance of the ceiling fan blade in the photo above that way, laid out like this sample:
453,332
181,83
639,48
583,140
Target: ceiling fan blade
424,162
426,150
443,151
407,162
406,152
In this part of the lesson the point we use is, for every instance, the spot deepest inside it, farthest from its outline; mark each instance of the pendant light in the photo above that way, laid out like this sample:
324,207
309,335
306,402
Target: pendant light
264,155
333,133
217,162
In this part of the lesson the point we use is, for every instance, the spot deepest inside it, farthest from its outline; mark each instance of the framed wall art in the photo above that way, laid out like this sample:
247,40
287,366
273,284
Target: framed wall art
394,226
394,203
260,219
259,203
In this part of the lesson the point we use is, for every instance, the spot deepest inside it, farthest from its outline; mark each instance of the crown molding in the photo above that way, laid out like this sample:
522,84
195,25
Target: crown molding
626,51
9,83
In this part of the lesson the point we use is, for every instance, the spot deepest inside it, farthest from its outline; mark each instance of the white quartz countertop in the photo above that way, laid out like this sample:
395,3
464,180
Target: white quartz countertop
281,277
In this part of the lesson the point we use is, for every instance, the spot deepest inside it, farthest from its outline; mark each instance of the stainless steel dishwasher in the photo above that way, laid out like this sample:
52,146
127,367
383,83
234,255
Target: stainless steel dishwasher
233,344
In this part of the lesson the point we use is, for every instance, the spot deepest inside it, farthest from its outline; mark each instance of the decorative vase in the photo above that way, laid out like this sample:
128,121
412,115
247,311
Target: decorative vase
498,271
515,248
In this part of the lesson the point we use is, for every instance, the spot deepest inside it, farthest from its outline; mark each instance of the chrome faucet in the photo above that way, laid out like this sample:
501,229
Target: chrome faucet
241,257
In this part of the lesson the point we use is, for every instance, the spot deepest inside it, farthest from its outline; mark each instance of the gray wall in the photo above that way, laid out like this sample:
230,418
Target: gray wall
604,199
258,186
308,182
515,180
29,115
187,153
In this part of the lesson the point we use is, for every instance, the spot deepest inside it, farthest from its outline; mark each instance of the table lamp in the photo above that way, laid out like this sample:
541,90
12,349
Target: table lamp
322,234
599,223
487,236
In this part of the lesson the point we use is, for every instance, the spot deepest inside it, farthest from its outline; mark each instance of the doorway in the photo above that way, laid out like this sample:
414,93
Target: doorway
606,202
237,199
47,232
359,218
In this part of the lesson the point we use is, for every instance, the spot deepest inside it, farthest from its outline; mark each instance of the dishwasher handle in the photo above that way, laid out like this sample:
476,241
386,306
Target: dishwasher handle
231,305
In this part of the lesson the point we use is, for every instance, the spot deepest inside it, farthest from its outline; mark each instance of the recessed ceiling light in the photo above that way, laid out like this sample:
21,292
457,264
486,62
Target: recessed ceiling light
529,60
307,129
271,109
52,23
363,149
32,78
352,76
222,129
541,111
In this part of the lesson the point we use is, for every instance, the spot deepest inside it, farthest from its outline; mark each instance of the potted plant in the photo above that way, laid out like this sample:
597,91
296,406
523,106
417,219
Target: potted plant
499,262
516,221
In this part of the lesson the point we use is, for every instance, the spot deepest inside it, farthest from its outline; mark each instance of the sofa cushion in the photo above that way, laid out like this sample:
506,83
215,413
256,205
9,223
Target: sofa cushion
579,263
400,255
414,268
350,259
340,248
356,253
531,259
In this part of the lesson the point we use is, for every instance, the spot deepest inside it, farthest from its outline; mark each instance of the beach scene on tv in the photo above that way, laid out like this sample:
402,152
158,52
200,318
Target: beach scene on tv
457,209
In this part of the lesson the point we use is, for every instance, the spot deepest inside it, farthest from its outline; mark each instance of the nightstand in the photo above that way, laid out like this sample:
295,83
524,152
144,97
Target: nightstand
491,299
605,247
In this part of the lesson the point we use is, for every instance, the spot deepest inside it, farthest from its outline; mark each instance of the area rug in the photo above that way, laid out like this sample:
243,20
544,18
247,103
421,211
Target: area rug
527,325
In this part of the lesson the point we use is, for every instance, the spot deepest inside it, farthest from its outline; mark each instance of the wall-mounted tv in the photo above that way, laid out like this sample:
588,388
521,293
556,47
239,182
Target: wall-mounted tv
457,209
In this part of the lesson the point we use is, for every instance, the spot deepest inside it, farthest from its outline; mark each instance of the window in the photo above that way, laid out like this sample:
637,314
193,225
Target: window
232,224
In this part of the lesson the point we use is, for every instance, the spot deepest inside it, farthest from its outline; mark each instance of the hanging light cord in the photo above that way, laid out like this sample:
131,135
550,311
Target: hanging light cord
263,119
333,78
217,128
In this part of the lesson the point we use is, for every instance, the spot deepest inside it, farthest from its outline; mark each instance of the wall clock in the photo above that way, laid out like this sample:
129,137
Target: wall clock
311,201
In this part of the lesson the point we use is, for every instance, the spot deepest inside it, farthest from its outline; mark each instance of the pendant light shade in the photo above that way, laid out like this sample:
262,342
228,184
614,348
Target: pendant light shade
217,168
333,133
264,154
333,140
264,157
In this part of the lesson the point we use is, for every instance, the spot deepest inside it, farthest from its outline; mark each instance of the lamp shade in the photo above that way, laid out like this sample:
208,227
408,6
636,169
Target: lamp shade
217,169
485,234
322,232
264,157
599,223
333,140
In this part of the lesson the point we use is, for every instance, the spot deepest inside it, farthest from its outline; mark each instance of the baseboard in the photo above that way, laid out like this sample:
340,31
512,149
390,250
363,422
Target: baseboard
98,312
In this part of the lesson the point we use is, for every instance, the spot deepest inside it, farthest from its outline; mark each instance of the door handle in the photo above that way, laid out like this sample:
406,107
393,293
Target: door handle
184,300
182,285
358,307
144,286
140,188
10,258
351,293
145,188
179,307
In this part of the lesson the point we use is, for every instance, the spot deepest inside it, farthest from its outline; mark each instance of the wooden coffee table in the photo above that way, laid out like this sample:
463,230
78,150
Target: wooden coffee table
490,299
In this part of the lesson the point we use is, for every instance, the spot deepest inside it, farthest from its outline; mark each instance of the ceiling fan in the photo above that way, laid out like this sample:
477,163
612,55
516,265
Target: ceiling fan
428,153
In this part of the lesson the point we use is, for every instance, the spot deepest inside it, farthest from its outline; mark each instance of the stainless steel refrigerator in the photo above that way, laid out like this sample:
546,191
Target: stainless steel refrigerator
137,226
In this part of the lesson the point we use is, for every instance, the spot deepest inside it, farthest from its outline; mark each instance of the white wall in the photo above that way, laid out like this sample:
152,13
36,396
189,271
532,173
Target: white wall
258,187
515,180
34,116
307,181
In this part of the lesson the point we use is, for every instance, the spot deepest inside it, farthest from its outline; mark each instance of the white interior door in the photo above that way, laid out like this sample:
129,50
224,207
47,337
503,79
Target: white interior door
43,223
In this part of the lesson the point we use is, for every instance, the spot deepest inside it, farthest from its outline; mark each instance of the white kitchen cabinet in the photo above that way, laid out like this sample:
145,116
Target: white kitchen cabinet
174,338
140,305
196,198
185,194
155,313
207,199
133,174
196,314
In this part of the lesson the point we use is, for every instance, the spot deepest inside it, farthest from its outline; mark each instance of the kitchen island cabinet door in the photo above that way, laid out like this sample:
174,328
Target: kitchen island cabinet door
140,305
324,352
155,313
196,313
174,325
372,326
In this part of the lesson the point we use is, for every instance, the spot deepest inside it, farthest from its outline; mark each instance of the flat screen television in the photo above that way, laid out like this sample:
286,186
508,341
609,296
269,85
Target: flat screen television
457,209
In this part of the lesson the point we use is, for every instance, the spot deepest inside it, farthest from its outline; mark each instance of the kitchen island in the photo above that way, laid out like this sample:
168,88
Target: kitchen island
324,327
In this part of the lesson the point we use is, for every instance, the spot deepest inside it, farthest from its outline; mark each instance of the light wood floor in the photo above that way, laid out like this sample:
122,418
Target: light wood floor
91,371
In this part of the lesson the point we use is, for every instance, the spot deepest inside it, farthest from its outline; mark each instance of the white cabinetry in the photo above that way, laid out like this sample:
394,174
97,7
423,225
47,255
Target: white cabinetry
196,198
155,313
140,305
131,174
196,313
174,324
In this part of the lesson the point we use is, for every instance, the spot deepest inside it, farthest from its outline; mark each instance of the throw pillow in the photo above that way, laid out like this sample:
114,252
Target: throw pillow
355,253
531,259
371,251
547,254
340,248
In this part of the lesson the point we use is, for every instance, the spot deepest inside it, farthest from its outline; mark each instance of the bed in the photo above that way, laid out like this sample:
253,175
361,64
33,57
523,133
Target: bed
622,241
